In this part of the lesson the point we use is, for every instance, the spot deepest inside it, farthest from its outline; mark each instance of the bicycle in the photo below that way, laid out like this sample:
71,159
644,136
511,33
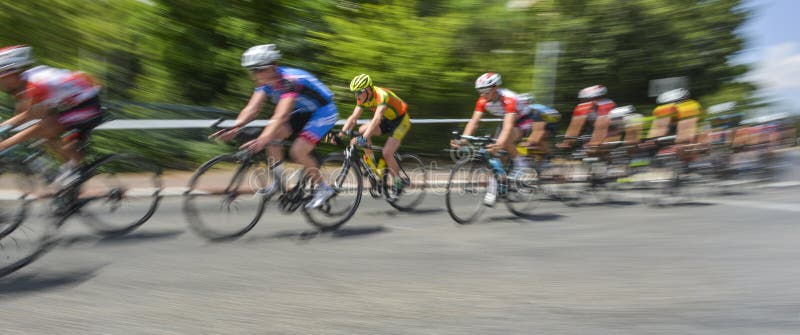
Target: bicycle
577,173
676,177
97,194
475,172
230,184
412,172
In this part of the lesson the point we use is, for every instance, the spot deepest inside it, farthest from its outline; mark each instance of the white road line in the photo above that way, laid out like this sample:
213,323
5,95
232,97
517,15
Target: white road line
759,204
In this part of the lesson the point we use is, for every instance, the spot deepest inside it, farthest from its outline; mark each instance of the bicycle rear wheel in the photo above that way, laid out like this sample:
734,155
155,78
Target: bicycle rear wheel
344,177
119,193
414,176
466,189
223,200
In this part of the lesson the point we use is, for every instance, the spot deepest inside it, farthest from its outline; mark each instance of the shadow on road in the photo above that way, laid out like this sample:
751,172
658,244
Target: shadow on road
424,211
610,203
394,212
135,237
687,203
523,218
306,235
38,282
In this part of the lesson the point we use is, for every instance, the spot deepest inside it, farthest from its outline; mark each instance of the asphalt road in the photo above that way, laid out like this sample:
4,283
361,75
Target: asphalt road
722,265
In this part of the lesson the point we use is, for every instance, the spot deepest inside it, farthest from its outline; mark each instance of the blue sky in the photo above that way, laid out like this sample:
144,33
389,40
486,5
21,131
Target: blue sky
774,48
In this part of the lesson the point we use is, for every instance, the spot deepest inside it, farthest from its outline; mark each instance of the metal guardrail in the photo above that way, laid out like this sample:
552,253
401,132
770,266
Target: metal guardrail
187,124
199,124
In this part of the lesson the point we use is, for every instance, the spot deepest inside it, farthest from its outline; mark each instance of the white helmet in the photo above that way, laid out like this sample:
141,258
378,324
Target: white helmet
260,56
15,58
721,108
592,92
621,112
675,95
489,79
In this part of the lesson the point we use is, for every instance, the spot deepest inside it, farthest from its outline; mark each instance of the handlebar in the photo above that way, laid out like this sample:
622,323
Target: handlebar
338,140
480,140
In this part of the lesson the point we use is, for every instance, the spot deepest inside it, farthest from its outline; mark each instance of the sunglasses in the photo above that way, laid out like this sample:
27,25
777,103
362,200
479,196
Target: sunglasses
360,92
260,69
485,90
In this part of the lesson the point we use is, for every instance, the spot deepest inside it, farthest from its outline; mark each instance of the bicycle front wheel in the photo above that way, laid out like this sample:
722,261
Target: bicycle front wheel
30,240
466,189
524,193
343,176
23,190
414,176
223,200
118,194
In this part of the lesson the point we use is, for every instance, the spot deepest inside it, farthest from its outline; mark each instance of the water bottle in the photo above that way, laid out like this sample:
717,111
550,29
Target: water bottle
497,165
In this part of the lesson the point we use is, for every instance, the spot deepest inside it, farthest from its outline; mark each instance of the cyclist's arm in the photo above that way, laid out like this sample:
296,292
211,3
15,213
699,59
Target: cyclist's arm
22,106
537,133
472,125
575,126
250,111
633,133
659,127
686,131
17,120
375,122
351,121
26,112
279,117
508,126
600,129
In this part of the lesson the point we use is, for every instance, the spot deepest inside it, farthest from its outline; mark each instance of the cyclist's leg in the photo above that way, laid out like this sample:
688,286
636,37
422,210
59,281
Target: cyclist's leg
319,124
522,128
396,135
511,146
275,152
78,124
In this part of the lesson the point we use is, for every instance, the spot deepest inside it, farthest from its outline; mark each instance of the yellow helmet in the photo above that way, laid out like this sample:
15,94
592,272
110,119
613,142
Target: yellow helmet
360,82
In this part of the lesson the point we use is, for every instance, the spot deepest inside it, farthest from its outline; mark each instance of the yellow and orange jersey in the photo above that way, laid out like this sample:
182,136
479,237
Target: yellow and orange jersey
679,111
396,107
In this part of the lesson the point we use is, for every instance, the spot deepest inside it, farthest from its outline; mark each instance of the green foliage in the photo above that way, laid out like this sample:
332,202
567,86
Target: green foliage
429,52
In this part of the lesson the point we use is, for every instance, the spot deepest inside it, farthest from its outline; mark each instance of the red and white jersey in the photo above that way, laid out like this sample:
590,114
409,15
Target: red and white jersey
506,102
594,108
57,88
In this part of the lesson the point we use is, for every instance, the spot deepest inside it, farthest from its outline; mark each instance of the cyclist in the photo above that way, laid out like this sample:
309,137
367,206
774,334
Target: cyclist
723,121
545,119
590,116
624,125
64,101
516,123
677,114
303,107
390,117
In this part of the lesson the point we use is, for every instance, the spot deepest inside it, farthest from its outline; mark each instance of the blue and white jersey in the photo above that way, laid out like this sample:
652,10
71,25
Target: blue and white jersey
310,94
542,113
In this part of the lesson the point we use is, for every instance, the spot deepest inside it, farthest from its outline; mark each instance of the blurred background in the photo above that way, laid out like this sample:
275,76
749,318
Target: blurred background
179,59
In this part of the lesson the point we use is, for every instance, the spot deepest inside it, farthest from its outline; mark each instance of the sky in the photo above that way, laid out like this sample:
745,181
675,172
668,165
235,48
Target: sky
773,49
